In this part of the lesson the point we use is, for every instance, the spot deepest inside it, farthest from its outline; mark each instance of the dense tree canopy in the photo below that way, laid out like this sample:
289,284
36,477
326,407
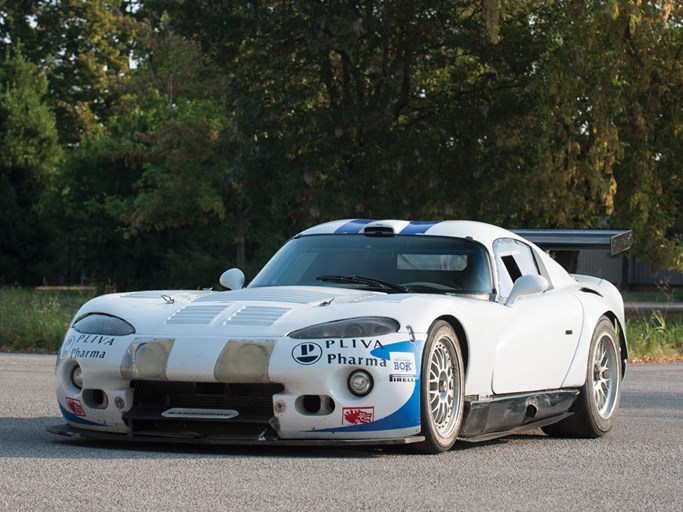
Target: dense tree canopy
242,122
29,153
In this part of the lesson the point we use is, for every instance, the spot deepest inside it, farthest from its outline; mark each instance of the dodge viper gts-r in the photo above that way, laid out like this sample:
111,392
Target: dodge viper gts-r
359,332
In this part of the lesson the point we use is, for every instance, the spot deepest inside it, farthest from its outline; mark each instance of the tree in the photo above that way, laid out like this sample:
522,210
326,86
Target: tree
246,121
83,48
649,196
29,153
150,195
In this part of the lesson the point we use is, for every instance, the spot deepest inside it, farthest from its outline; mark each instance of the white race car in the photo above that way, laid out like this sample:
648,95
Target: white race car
358,332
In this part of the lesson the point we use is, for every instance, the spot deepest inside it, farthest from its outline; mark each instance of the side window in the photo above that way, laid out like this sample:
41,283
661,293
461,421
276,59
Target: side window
513,260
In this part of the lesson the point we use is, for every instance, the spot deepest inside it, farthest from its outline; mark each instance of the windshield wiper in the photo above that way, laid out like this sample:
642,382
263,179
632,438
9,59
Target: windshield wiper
397,288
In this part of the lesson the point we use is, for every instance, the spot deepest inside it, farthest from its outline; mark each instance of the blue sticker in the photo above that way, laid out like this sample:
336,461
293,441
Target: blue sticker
408,415
353,226
402,346
76,419
418,227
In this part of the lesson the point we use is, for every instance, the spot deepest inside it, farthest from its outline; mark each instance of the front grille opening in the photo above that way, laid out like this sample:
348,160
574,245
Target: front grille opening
209,395
253,404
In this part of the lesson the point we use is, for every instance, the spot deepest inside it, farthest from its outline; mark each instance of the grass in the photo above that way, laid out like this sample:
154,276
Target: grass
655,338
36,321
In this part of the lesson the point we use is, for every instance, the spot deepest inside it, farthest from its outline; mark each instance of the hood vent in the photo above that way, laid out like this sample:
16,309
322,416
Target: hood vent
256,315
195,315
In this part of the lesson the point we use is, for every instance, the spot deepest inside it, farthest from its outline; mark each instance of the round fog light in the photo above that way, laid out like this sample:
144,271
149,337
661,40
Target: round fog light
77,377
360,383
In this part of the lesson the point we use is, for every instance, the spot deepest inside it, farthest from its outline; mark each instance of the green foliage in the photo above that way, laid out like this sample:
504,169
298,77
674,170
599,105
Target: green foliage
655,337
244,122
147,201
36,321
28,155
82,47
520,115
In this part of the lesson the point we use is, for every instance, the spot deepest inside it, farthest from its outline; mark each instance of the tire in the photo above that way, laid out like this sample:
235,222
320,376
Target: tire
598,402
442,389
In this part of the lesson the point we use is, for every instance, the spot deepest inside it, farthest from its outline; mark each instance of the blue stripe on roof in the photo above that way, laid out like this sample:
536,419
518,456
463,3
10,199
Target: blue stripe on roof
353,226
418,227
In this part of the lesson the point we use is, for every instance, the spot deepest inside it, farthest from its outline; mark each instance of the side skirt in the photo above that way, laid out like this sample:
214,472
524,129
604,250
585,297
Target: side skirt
502,415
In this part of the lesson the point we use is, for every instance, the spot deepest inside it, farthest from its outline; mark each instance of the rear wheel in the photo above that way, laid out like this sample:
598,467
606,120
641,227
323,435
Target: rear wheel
442,387
598,402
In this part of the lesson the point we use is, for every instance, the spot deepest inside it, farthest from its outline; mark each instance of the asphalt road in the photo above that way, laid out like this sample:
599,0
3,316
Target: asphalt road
637,466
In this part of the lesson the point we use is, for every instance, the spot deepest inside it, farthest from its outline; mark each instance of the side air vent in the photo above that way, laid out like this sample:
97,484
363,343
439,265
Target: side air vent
588,290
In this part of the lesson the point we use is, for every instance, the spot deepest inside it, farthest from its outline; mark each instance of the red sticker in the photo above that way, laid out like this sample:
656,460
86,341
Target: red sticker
75,407
357,415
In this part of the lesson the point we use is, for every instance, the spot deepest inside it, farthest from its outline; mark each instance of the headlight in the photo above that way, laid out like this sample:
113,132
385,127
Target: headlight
349,328
98,323
244,361
146,360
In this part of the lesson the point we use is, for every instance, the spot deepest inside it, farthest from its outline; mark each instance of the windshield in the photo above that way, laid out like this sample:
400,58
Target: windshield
387,263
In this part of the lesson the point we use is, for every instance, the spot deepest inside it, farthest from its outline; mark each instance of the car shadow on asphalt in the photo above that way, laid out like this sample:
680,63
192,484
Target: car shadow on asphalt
28,437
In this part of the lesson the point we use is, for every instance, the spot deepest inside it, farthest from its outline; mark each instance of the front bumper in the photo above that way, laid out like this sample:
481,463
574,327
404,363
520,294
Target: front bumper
198,397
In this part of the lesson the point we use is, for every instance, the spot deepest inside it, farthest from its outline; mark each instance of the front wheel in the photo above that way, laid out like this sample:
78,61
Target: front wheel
598,402
442,389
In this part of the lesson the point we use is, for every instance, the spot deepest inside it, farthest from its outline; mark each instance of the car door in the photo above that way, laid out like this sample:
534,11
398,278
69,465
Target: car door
541,332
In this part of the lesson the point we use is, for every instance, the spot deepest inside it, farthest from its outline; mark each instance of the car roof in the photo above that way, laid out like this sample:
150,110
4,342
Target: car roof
479,231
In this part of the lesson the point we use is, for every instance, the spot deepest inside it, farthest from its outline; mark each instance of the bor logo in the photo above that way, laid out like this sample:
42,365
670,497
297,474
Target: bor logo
307,353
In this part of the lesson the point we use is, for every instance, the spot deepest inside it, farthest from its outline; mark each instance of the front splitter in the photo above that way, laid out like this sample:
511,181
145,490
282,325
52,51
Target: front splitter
265,439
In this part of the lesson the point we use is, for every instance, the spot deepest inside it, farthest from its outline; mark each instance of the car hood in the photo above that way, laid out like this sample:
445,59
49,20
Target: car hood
250,312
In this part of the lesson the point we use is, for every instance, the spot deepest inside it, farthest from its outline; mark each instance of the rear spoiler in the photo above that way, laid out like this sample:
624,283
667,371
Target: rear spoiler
614,240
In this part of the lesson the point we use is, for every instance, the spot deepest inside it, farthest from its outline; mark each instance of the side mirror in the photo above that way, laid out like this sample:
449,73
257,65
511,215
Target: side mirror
530,284
232,279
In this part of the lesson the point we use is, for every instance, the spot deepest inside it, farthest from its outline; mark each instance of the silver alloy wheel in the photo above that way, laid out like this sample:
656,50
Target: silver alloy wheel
605,376
598,401
444,390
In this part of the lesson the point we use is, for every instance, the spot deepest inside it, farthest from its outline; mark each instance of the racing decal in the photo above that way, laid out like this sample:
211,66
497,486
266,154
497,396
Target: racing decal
343,344
307,353
357,415
394,377
408,415
91,339
84,339
402,365
87,354
402,362
403,347
69,416
356,360
417,227
353,343
214,414
75,407
66,346
353,226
